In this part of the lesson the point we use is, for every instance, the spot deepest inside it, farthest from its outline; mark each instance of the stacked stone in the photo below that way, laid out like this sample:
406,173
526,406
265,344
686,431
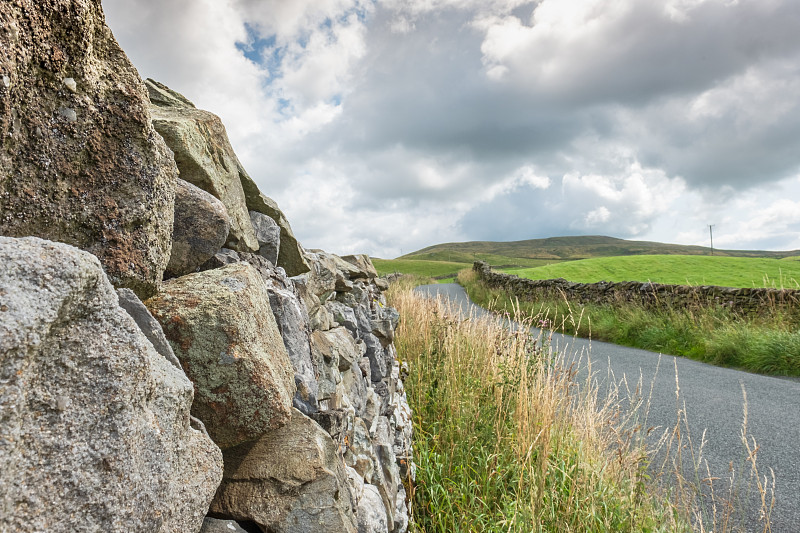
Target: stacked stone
257,383
327,450
748,301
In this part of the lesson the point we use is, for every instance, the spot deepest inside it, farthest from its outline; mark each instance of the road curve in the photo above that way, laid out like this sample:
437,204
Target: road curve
714,403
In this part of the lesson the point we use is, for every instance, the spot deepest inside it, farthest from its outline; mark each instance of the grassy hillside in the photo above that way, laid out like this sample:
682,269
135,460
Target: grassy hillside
469,258
675,269
566,248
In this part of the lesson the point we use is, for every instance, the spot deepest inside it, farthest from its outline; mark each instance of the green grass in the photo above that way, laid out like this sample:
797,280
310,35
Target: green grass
431,269
767,344
469,258
442,270
675,269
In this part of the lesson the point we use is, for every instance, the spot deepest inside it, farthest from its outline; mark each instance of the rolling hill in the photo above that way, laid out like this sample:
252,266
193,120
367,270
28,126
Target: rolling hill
569,248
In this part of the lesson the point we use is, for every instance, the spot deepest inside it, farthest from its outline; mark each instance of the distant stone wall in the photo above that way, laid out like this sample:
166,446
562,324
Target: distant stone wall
743,300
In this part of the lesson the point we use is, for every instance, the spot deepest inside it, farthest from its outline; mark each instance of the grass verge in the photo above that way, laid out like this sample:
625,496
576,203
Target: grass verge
506,441
768,344
508,438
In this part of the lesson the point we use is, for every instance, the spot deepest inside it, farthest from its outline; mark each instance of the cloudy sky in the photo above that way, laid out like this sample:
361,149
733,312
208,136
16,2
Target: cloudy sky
383,126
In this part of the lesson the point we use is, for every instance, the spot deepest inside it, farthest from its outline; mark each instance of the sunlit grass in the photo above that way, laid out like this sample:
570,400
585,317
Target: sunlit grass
508,438
768,343
506,441
675,269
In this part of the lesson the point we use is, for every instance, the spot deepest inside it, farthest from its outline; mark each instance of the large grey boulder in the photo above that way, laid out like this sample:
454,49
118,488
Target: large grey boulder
148,324
80,160
291,480
268,235
337,345
222,329
383,323
364,265
225,256
344,315
201,228
293,324
371,512
214,525
291,256
95,430
204,157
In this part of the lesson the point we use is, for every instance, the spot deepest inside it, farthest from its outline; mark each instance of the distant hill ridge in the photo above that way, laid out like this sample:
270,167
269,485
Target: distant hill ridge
574,247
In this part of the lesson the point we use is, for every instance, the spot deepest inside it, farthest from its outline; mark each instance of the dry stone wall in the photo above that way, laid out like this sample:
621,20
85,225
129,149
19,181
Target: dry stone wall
741,300
243,383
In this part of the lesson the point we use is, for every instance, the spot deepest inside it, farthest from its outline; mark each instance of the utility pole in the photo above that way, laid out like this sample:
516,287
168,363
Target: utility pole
711,236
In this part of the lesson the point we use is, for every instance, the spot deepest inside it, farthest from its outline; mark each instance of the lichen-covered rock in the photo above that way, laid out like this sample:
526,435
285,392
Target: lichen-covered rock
344,315
359,454
353,390
95,430
204,157
225,256
371,512
213,525
387,474
290,256
336,345
364,265
383,322
400,510
148,324
80,160
293,324
322,278
201,228
268,235
291,480
222,329
321,319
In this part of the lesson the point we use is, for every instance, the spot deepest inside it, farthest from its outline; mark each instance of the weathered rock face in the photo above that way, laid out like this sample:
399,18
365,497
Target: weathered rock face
268,235
212,525
201,228
291,256
80,160
371,512
94,423
291,480
204,157
222,329
148,324
293,324
364,265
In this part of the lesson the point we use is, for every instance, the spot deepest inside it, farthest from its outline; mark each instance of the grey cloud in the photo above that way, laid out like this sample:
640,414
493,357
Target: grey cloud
423,100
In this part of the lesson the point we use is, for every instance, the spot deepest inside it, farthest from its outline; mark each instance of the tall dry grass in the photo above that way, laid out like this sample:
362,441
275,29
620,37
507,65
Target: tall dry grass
509,438
507,441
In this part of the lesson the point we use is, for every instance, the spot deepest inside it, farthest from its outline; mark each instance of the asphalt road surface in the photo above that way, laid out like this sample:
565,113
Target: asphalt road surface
713,402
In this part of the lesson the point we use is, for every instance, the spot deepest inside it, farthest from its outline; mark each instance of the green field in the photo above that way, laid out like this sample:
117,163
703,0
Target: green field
675,269
430,269
440,268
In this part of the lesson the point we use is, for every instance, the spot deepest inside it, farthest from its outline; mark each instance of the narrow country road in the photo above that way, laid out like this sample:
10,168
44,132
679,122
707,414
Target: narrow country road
714,404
